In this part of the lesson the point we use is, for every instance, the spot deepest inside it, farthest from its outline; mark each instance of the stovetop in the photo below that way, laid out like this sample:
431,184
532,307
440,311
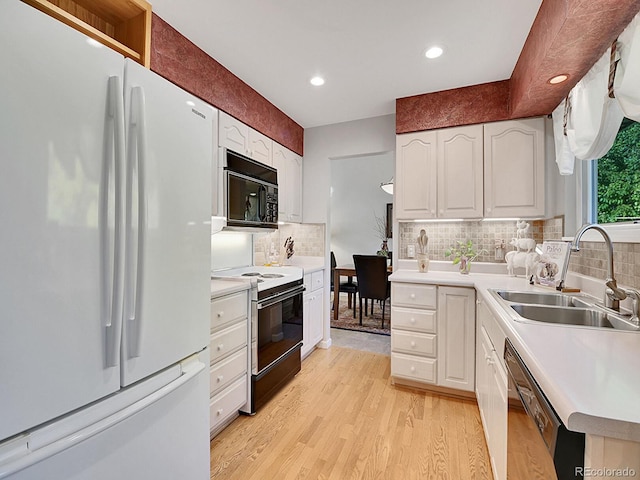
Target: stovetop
265,277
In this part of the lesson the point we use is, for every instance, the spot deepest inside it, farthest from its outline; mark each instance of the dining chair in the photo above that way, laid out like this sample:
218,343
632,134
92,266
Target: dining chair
350,287
373,282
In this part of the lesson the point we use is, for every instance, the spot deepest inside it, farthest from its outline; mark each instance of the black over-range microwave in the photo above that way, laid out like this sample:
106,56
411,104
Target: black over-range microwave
250,192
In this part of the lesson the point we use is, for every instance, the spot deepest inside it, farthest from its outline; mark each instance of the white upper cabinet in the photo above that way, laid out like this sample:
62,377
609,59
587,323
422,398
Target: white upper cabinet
233,134
415,180
439,173
236,136
217,201
514,170
460,170
289,166
260,147
493,170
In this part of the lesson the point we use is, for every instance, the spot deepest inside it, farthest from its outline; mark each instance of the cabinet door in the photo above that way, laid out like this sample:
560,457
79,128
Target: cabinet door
460,171
514,168
294,177
260,147
483,372
280,161
217,201
316,327
289,166
312,328
498,406
456,337
233,134
416,180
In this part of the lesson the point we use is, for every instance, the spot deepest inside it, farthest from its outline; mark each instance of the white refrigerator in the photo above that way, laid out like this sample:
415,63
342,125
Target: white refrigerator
104,261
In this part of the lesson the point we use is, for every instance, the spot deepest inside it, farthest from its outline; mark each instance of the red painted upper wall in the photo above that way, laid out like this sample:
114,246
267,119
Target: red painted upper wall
567,36
488,102
180,61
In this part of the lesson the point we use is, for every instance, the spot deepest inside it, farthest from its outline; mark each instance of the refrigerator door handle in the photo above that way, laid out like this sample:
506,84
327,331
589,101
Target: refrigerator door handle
111,197
136,208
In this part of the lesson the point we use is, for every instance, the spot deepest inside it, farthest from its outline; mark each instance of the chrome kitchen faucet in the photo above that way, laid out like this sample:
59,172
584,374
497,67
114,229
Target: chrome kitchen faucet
613,294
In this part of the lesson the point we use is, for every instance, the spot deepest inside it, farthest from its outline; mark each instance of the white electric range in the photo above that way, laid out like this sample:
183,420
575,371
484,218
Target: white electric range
276,326
264,278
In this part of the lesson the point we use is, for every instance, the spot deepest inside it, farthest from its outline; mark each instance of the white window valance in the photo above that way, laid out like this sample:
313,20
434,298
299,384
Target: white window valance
627,80
591,115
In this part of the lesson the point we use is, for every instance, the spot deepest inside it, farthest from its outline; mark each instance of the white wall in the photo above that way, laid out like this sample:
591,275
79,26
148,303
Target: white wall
356,197
231,250
370,136
321,144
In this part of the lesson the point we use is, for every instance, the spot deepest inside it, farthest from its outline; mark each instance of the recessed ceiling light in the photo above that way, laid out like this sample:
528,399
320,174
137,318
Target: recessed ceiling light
317,81
558,78
433,52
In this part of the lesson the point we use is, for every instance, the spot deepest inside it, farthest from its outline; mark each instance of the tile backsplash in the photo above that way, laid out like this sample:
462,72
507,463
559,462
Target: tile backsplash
591,260
308,240
484,236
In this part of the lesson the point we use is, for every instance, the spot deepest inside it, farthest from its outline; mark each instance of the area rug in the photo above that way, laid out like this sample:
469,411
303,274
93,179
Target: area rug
370,324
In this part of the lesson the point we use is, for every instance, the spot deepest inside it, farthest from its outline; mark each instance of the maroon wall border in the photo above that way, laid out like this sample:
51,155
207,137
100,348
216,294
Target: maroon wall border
488,102
177,59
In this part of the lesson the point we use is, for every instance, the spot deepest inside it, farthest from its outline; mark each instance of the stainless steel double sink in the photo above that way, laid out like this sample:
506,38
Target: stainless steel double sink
564,309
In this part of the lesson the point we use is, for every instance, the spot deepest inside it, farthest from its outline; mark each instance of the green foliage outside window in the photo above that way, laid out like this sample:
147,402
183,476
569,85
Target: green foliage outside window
619,177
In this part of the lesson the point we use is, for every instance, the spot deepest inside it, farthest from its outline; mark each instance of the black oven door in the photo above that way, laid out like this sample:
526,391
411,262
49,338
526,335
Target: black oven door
279,326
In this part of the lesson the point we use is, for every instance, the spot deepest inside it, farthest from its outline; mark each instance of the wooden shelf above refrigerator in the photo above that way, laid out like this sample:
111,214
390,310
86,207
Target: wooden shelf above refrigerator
123,25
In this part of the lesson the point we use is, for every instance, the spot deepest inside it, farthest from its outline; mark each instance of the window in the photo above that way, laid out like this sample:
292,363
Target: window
615,195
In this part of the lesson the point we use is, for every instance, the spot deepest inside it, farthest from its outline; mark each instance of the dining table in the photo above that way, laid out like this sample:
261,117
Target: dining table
348,270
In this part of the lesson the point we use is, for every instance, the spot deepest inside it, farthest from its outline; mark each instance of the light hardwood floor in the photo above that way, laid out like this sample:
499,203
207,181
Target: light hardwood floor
341,418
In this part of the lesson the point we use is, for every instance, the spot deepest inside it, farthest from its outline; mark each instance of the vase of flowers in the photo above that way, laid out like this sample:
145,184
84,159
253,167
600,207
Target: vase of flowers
463,253
381,230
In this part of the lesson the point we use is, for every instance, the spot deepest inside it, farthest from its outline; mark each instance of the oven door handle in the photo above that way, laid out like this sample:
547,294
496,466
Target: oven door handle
280,297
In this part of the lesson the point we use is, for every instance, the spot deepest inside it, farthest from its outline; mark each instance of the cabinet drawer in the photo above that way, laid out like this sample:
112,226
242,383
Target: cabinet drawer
413,368
226,310
413,295
227,403
224,372
227,341
423,344
413,319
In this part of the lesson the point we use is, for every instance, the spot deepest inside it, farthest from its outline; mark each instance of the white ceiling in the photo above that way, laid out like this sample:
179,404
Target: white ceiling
369,51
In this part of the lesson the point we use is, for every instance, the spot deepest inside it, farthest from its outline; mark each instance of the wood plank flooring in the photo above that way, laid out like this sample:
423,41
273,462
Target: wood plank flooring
341,418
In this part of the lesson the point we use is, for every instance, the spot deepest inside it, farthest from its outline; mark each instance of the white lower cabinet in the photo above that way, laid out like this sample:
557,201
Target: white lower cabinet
432,335
456,337
492,389
312,311
229,370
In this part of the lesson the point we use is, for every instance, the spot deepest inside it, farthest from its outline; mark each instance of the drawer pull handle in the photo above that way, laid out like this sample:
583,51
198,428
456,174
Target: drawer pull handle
220,378
219,412
220,347
413,369
220,314
413,320
412,296
413,344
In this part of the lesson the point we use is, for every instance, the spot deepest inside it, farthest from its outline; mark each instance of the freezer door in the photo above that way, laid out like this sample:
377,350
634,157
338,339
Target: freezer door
59,138
159,431
168,240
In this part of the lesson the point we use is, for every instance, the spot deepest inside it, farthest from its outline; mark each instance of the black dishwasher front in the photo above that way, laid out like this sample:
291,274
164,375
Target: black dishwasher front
539,446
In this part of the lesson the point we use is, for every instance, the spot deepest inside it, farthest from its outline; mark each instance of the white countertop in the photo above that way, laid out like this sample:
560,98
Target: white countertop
223,287
307,263
591,376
